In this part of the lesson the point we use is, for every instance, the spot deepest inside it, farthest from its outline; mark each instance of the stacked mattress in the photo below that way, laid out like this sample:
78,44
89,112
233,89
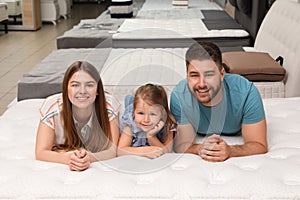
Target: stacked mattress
139,33
171,14
168,5
178,4
46,77
121,8
89,33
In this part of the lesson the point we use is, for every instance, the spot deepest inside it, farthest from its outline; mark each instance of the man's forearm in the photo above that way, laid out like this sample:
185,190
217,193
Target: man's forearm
247,149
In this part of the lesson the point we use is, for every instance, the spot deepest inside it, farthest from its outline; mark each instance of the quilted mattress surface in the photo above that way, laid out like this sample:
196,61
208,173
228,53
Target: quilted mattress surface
126,69
274,175
170,33
186,28
170,14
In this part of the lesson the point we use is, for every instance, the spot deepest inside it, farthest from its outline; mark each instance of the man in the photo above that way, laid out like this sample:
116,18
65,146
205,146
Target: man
212,103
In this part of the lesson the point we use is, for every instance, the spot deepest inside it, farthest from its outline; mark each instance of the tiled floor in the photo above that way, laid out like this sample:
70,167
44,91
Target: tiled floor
20,51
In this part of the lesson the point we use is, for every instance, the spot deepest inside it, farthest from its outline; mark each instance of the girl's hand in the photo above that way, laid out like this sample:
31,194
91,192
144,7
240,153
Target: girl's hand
79,160
156,129
154,152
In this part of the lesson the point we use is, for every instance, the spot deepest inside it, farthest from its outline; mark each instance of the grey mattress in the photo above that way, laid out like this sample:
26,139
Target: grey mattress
46,77
91,33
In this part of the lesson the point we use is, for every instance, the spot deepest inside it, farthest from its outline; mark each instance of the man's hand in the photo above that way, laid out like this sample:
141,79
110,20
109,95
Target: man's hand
215,149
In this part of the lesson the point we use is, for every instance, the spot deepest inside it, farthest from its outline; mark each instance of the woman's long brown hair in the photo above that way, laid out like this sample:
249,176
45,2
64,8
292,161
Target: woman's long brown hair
72,138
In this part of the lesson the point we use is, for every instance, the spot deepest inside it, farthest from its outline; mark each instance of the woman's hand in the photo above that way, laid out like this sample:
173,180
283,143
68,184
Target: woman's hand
79,160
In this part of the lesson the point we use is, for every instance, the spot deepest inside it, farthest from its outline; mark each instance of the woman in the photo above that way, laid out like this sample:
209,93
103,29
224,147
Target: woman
79,126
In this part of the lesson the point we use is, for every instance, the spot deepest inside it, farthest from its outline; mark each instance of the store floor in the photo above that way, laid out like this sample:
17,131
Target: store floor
20,51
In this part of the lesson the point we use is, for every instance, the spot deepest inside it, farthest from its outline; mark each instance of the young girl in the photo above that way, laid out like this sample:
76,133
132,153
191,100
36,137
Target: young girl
148,124
79,126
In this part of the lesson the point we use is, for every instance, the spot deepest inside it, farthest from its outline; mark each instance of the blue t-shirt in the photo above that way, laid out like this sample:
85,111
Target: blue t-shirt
241,104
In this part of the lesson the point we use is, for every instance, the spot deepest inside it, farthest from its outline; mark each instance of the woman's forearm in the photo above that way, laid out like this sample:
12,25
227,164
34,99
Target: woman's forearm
53,156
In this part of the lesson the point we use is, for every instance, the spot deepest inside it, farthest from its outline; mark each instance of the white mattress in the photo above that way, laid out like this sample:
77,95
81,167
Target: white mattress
186,28
170,14
157,33
126,69
167,5
274,175
3,12
14,7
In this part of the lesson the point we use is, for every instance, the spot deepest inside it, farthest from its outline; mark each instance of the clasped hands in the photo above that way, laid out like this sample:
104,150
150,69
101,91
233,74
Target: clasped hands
214,149
79,160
